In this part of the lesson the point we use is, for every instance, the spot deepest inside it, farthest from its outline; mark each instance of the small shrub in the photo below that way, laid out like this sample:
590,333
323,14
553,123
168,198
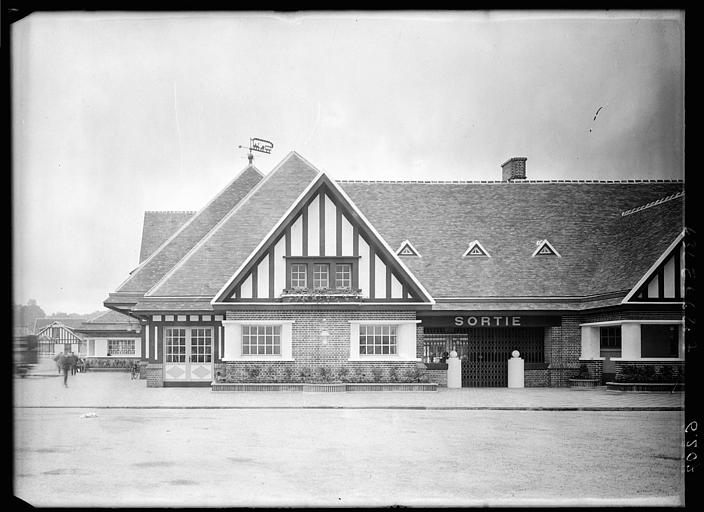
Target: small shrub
252,373
322,374
288,374
343,374
305,374
267,374
376,374
583,372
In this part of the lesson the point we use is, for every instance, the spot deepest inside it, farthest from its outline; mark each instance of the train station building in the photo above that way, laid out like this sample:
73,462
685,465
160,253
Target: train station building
295,269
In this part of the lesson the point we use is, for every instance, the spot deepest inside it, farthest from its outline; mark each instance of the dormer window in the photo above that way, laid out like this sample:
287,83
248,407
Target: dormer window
476,250
407,249
545,248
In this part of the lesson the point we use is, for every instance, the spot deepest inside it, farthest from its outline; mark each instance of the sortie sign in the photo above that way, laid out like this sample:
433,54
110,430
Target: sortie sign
488,321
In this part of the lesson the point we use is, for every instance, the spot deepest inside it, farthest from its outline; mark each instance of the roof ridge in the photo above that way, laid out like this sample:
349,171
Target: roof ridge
188,222
653,203
443,182
224,219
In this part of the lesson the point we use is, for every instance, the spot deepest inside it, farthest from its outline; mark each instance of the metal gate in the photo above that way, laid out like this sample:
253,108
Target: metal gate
485,352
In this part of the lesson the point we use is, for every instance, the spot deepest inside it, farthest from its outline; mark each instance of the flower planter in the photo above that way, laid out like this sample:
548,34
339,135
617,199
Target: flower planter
645,386
584,383
324,387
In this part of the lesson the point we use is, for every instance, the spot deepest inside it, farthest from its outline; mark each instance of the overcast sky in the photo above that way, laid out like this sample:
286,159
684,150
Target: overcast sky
118,113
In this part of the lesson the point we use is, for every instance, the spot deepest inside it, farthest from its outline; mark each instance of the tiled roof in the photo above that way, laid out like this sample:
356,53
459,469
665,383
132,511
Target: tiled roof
154,267
581,220
158,227
170,305
71,323
208,267
109,321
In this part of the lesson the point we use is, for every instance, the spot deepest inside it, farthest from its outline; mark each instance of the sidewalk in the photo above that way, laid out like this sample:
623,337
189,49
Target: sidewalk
44,388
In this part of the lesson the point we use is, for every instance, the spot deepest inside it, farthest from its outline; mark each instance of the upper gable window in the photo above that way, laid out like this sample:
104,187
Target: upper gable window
545,248
407,249
321,272
476,249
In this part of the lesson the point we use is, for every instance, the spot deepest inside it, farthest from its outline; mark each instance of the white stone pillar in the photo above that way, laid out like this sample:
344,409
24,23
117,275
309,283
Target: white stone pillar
630,341
590,343
516,376
454,371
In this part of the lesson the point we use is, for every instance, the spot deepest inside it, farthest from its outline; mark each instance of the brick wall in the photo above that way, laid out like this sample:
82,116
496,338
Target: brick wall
563,347
155,376
307,349
437,376
674,313
536,378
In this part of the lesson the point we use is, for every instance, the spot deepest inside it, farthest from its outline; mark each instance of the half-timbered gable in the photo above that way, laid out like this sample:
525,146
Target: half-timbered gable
663,282
323,245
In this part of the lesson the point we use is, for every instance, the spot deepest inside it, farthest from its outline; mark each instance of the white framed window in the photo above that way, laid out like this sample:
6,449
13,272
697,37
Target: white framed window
261,340
383,340
201,345
121,347
377,339
299,277
343,275
175,345
321,275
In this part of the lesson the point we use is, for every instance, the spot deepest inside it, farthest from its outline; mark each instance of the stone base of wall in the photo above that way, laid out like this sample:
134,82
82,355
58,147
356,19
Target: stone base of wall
155,376
595,367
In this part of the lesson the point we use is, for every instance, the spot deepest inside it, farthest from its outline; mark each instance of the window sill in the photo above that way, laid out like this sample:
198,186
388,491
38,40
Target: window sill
258,359
384,358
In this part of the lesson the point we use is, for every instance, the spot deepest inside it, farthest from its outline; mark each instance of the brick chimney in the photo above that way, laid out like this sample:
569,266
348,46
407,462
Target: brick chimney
514,169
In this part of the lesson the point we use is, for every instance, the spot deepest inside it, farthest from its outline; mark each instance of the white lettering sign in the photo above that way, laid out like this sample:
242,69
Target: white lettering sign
488,321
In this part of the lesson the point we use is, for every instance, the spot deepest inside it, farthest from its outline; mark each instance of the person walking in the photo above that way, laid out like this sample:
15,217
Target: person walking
57,359
66,364
74,362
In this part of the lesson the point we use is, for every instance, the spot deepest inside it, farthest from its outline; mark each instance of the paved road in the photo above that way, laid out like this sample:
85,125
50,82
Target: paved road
94,389
348,457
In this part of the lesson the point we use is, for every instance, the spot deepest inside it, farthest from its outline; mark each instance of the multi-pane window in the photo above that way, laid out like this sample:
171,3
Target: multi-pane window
175,350
120,347
610,337
343,275
201,343
377,339
299,277
261,340
321,275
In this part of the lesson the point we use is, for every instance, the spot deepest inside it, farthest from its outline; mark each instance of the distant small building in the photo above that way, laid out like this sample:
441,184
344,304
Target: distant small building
109,336
57,335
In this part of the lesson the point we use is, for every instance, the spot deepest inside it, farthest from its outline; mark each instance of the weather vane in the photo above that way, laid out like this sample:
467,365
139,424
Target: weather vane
261,145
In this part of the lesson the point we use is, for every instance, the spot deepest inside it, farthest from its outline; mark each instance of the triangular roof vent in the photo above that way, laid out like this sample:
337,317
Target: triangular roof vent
476,249
545,248
406,249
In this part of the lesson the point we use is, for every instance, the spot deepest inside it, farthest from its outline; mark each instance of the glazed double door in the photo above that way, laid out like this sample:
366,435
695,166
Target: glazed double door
188,353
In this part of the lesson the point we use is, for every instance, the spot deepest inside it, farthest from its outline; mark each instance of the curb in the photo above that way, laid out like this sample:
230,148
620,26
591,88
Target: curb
401,407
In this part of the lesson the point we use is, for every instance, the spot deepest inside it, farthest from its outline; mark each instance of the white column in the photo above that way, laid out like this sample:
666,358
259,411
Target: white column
454,371
590,343
630,341
516,375
680,343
